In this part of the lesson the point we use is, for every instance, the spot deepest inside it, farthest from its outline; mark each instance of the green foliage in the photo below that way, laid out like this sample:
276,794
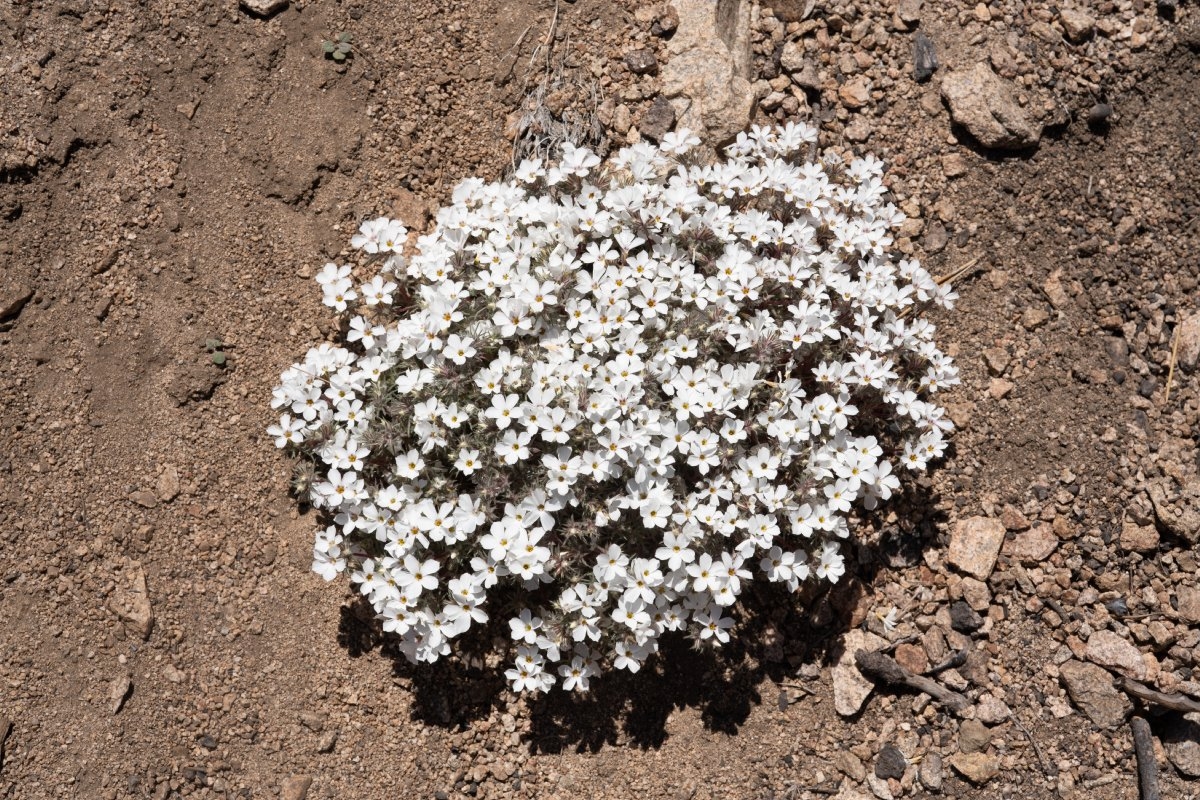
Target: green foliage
338,49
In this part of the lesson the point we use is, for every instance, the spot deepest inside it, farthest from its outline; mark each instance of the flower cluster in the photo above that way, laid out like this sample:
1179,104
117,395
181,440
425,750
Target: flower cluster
604,398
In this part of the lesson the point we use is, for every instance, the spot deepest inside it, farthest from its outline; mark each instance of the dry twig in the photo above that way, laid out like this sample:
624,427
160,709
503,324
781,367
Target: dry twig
1175,702
885,668
1143,748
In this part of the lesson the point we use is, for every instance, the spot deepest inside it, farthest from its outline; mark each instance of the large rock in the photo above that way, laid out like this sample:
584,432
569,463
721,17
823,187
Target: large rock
1109,649
850,687
975,544
707,76
1091,689
986,105
1181,740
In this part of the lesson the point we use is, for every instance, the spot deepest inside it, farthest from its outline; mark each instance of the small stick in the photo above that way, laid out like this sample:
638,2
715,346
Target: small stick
884,668
1037,751
1147,765
1171,369
958,273
1174,701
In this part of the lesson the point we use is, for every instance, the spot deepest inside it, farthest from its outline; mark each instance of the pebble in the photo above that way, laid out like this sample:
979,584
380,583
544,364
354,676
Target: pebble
1138,538
793,58
986,106
295,788
131,602
1181,741
264,8
991,710
930,772
1078,25
144,498
641,61
1033,546
327,742
168,484
1098,114
850,687
974,545
13,300
850,765
1054,290
912,657
659,120
954,165
855,94
973,736
1000,388
1091,689
665,22
1034,318
978,768
118,692
1187,352
1109,649
909,11
925,60
1188,600
891,763
963,618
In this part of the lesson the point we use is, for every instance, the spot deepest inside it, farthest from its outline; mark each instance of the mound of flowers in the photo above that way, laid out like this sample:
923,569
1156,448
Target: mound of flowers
601,399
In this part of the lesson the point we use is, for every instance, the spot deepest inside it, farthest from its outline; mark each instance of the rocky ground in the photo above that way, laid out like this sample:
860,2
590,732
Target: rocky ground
170,175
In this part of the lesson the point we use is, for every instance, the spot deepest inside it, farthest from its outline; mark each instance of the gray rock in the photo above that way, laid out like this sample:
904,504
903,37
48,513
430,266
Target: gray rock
641,61
1109,649
973,736
1181,740
264,8
1187,353
930,772
925,60
986,106
963,618
891,762
1091,689
850,687
658,120
708,70
974,545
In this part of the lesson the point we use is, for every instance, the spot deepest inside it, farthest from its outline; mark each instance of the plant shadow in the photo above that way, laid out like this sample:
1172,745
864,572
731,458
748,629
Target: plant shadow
778,635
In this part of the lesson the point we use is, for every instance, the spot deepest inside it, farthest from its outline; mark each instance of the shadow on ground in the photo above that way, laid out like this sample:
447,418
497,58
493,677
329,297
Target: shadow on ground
777,634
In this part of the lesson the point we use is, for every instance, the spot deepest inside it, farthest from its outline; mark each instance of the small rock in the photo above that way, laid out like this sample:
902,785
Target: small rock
327,742
792,57
986,106
891,763
295,788
1000,388
1138,538
963,618
859,130
13,299
264,8
850,687
102,307
665,22
1126,229
118,691
313,720
996,359
1034,318
641,61
168,484
855,94
936,238
1188,599
976,594
991,710
1054,290
1078,25
1033,546
6,727
1109,649
925,60
1181,740
954,165
974,545
973,736
850,765
912,657
1187,352
1012,519
1098,115
909,11
1091,689
978,768
659,120
931,772
131,602
144,498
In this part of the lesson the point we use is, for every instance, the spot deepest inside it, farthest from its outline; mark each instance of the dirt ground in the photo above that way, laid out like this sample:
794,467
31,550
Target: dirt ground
174,173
